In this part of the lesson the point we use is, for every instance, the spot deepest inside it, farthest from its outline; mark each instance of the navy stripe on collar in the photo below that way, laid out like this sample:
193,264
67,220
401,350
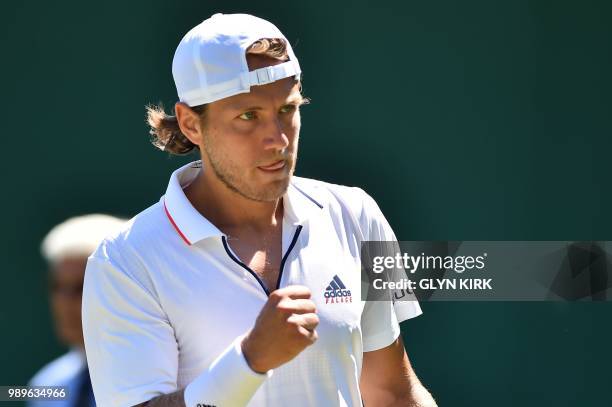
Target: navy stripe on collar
308,196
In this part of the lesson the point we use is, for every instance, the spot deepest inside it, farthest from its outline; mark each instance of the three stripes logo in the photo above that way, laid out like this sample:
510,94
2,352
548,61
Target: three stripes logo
336,292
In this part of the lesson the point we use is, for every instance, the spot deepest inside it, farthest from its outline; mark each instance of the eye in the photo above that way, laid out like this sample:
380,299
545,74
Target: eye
248,116
288,109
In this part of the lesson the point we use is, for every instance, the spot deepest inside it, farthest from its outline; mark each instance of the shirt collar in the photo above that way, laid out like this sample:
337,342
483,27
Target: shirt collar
187,221
299,206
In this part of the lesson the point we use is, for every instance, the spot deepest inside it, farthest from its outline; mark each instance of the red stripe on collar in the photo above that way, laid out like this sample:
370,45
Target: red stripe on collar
175,226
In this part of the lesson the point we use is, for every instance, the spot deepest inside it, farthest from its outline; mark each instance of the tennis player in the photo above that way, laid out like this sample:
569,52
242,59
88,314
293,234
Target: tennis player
241,286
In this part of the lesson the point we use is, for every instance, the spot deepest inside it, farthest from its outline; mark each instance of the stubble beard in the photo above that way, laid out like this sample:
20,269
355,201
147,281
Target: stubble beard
229,175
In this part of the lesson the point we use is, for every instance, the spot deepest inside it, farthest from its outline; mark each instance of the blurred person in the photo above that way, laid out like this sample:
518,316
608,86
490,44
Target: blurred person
241,286
65,250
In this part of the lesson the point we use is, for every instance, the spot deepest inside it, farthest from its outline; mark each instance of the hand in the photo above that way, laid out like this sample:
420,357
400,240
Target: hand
284,328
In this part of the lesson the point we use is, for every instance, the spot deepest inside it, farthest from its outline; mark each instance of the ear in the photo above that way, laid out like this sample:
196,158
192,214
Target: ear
189,122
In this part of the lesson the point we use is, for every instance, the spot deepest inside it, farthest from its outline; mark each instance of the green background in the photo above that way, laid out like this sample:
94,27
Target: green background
466,120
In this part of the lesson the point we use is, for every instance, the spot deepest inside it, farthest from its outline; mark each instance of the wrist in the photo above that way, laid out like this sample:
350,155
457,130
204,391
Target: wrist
227,381
250,356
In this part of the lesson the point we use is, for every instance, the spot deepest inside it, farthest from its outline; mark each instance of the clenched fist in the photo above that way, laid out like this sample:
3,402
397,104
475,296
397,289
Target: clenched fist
284,328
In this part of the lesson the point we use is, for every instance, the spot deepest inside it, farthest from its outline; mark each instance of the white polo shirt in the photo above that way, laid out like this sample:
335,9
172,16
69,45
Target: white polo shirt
166,302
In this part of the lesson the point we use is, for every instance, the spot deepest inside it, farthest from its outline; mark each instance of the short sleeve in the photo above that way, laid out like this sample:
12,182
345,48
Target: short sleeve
377,228
379,325
130,345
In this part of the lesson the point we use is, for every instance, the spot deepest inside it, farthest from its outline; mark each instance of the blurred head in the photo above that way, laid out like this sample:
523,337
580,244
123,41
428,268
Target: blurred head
247,141
66,249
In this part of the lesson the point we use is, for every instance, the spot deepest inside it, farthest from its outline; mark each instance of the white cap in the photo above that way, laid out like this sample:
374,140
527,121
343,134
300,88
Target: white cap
210,61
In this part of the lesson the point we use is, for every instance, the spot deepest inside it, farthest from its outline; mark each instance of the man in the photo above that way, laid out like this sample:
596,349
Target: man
65,249
242,285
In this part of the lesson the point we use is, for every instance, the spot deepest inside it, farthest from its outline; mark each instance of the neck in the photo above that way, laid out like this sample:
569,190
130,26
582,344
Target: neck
227,209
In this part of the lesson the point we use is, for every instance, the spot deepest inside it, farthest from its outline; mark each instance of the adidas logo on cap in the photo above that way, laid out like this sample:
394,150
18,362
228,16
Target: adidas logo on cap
336,292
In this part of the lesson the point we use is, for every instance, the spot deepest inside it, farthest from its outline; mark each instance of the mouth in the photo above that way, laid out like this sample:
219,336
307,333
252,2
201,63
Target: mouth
275,166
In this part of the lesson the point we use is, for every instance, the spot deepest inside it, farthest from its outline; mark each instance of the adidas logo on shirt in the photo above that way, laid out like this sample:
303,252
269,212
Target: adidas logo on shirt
336,292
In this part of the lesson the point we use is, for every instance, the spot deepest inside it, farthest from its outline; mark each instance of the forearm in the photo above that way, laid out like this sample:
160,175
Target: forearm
415,397
229,381
414,394
388,380
176,399
418,396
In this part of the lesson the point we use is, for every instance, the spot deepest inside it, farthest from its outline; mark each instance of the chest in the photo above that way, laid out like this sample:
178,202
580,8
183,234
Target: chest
262,257
216,295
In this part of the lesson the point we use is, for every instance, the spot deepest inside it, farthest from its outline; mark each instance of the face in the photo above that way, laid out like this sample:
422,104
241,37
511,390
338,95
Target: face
66,280
250,140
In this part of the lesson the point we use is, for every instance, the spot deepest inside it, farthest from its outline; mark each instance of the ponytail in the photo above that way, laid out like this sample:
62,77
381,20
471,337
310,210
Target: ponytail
166,133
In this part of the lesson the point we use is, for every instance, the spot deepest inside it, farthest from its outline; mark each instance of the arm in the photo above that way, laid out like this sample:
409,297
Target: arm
132,351
387,379
176,399
285,326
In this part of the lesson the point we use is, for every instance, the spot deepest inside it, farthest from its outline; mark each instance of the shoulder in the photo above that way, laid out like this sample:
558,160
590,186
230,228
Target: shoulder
143,235
351,204
354,199
138,231
129,251
59,371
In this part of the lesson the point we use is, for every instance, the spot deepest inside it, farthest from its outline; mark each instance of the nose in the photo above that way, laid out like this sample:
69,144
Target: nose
275,135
